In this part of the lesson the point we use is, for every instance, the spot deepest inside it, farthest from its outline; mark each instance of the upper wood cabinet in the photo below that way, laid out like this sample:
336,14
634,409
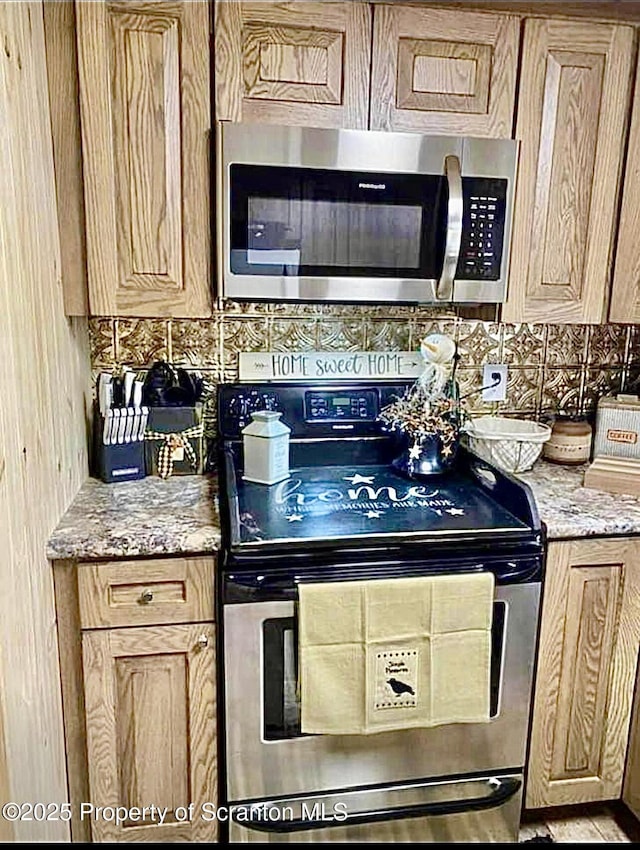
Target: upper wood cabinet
310,63
444,71
625,293
587,656
572,112
145,114
303,63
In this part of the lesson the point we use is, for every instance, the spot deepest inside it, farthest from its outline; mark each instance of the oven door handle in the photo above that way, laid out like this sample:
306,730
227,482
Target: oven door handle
444,289
502,788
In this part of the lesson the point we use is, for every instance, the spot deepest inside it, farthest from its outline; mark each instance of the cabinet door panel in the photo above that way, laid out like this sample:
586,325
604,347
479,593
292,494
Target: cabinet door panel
572,111
152,687
625,293
586,672
437,71
144,92
593,597
631,789
151,733
302,63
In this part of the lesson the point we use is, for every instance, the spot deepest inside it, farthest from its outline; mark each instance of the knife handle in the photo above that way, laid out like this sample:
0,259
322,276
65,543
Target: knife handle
106,428
129,425
115,422
128,381
137,393
144,411
122,424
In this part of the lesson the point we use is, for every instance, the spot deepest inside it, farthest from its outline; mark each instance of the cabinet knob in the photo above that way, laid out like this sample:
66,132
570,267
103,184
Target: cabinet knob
146,596
203,641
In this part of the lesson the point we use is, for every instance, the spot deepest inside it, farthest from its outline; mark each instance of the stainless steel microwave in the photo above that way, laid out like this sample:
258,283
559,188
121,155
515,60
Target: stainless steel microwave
363,216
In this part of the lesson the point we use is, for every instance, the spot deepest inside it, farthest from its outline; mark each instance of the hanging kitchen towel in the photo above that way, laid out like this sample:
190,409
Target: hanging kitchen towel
383,655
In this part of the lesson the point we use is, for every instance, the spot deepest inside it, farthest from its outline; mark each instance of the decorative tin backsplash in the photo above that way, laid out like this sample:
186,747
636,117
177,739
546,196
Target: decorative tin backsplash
552,368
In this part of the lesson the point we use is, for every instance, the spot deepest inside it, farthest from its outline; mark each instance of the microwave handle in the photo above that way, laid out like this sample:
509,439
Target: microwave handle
444,289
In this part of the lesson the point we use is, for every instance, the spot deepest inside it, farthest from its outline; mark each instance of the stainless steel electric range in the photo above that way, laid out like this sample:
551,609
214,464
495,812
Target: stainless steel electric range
346,513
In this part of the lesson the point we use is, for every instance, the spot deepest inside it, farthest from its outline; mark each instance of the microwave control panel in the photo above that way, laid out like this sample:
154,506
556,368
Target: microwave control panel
483,222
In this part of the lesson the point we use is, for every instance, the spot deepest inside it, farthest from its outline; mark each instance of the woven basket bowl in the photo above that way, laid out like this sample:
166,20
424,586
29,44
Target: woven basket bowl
512,444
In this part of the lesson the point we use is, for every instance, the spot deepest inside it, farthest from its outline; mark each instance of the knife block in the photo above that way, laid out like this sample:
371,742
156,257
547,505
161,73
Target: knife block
117,462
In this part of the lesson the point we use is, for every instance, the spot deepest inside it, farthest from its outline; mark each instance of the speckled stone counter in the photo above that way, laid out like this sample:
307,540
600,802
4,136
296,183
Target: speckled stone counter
154,517
148,517
571,510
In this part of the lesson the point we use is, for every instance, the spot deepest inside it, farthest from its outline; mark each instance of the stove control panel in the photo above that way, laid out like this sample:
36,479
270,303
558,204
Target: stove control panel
239,407
311,409
342,405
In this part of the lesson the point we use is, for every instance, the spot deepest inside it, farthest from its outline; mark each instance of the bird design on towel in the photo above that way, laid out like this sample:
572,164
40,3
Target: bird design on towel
400,688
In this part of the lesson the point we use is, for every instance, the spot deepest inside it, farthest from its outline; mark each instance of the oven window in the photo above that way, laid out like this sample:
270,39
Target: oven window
498,631
280,674
316,222
280,659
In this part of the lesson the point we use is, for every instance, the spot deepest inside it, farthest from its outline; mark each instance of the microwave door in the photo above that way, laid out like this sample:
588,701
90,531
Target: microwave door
303,230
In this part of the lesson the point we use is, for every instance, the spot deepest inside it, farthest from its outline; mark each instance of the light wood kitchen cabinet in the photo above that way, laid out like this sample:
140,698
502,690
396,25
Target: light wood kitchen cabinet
150,714
625,292
140,593
310,64
444,71
631,788
144,85
138,670
588,651
300,63
572,115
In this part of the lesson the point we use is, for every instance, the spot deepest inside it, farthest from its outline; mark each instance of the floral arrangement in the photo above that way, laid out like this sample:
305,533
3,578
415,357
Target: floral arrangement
431,407
420,417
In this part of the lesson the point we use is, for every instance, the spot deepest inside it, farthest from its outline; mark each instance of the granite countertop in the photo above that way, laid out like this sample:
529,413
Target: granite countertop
146,517
154,517
571,510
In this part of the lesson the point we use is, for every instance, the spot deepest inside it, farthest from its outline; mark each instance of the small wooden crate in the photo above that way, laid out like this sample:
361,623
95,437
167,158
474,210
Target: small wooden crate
614,475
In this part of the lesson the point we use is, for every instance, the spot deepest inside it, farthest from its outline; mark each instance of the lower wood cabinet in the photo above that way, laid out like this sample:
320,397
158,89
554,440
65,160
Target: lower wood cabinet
589,638
137,660
631,789
151,719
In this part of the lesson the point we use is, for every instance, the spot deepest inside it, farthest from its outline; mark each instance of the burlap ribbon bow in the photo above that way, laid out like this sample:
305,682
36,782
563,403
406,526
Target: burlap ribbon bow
171,445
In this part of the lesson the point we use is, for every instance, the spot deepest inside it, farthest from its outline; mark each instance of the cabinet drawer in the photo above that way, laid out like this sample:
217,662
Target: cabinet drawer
139,593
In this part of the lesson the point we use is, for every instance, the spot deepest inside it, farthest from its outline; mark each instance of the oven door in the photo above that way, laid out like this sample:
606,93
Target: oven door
267,756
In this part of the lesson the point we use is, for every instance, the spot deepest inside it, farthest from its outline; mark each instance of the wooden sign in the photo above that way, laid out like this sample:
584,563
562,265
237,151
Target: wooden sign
329,365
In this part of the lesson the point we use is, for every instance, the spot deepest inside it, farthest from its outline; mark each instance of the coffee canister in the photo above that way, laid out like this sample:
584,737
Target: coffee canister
266,448
570,442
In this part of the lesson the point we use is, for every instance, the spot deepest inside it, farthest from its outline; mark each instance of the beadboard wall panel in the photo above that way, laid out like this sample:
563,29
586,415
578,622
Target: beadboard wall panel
6,828
44,386
62,69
